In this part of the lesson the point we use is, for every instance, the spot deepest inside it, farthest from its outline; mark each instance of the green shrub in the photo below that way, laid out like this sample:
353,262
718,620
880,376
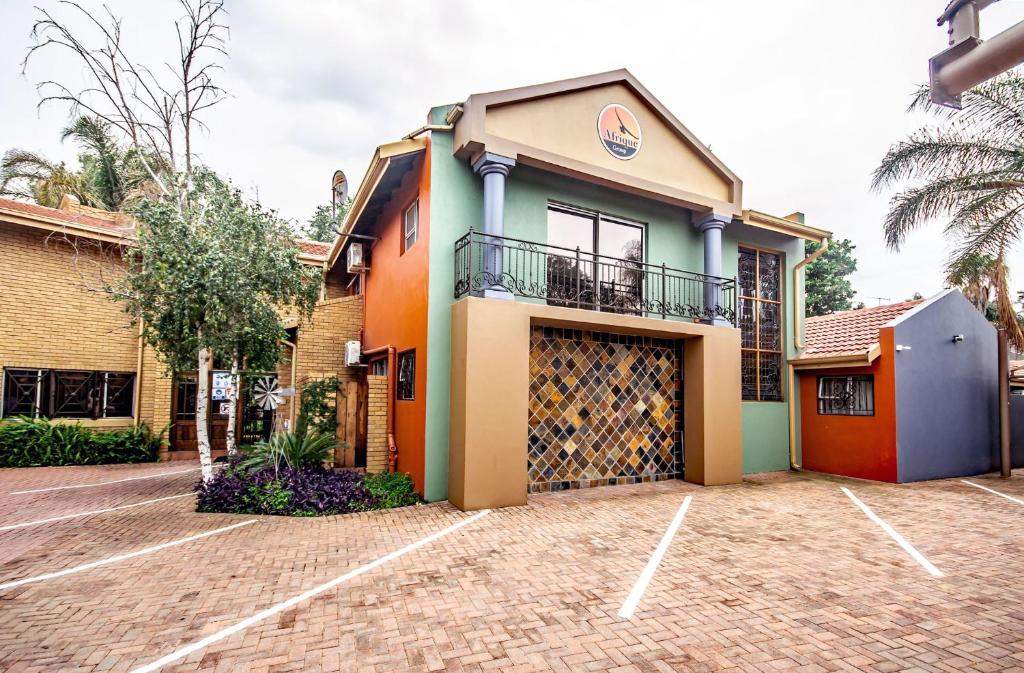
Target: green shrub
289,449
317,414
28,442
391,489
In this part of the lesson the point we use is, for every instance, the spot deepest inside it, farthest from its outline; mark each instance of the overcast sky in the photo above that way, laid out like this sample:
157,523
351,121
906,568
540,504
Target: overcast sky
800,99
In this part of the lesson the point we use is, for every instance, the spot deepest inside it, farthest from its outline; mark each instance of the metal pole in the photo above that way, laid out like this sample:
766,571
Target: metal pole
1004,406
664,299
989,59
577,276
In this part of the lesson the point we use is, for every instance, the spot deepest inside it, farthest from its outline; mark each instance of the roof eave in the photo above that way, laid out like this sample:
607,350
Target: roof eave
859,359
781,225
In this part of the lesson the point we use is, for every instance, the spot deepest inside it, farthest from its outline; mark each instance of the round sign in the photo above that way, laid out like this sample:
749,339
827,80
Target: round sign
619,131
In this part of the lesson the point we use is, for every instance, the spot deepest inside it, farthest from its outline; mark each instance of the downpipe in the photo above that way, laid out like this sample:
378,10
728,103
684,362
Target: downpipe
798,343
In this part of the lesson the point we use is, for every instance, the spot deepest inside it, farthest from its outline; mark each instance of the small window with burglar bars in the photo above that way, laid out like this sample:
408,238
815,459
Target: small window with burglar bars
406,389
59,393
846,395
379,367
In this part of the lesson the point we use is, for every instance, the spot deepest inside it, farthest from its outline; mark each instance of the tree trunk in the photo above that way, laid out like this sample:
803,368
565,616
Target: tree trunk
203,414
233,409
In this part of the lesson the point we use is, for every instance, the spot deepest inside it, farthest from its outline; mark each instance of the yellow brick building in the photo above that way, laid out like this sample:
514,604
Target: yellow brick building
68,352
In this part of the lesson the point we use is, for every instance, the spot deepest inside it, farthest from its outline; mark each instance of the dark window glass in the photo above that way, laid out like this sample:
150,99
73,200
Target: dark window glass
185,399
61,393
379,367
611,279
119,395
760,323
25,391
846,395
406,389
75,395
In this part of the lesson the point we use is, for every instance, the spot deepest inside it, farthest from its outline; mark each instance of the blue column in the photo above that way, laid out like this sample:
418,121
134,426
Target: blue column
711,225
494,168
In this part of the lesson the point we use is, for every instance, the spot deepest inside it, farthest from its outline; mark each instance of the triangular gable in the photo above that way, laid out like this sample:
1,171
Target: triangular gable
564,126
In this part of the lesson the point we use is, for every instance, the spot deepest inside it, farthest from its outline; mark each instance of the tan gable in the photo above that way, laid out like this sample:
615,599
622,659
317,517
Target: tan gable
555,126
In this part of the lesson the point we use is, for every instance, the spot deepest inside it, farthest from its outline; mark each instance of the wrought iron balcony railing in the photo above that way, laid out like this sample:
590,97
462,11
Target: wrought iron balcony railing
577,279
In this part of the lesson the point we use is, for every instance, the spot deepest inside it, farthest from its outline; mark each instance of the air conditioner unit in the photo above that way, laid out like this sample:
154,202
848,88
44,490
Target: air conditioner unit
356,258
353,353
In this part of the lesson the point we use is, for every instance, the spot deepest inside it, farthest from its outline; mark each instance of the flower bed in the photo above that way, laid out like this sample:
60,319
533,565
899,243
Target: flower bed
286,477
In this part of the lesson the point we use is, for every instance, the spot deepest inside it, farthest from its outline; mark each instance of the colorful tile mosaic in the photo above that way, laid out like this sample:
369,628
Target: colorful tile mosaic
603,409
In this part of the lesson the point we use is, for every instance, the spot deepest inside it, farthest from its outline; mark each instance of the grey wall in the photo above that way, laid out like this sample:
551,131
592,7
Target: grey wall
1017,430
947,421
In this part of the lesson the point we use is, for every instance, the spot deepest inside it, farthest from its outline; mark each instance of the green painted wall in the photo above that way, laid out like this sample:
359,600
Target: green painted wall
456,204
766,424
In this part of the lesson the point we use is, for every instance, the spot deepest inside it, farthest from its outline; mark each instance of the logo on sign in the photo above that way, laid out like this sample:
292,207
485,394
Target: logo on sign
619,131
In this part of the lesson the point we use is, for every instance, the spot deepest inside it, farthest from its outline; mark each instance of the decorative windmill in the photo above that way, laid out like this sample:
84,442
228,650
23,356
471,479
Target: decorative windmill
268,394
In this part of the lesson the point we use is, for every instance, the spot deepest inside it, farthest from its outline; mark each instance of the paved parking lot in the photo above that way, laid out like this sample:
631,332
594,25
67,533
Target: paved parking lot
782,572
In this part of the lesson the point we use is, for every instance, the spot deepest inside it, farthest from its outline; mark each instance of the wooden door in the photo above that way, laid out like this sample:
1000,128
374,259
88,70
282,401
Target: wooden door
352,414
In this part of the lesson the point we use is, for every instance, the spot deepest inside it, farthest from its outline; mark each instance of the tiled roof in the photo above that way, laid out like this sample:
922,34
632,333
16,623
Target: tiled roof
68,216
317,248
115,222
849,332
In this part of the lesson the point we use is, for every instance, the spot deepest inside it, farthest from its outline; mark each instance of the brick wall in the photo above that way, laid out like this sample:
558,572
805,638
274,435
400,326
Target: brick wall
320,346
48,316
377,424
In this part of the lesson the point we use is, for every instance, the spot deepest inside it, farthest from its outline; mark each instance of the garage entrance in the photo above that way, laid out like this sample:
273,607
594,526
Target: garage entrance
604,409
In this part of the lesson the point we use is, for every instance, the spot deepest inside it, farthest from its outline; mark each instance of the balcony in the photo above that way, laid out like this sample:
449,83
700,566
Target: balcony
575,279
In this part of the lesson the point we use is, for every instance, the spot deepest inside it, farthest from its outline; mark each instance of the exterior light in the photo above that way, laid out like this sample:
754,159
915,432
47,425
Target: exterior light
901,347
957,338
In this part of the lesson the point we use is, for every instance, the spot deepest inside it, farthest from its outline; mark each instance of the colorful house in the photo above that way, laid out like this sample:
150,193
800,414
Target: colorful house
900,393
565,289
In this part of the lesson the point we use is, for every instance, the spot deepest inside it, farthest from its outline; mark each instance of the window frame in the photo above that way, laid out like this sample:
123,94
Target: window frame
851,410
757,302
47,385
411,353
412,207
375,364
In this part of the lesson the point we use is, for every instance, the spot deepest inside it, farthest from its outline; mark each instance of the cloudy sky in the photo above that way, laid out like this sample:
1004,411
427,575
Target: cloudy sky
800,98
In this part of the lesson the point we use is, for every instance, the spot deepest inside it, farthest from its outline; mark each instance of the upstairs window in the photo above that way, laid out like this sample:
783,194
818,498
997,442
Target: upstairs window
846,395
411,225
406,389
760,322
58,393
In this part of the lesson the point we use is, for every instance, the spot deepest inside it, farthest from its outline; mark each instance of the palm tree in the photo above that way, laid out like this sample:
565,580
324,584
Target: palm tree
969,170
30,176
977,276
108,177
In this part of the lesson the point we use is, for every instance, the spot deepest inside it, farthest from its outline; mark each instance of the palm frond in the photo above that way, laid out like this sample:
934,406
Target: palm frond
934,153
916,206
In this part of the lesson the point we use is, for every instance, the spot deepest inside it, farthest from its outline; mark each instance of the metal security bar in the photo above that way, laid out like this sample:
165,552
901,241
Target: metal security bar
846,395
577,279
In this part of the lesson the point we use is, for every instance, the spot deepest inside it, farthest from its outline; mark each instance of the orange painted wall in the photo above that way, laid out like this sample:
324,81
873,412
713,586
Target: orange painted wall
396,306
853,446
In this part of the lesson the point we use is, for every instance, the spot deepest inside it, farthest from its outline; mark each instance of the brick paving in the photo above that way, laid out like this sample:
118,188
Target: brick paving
782,572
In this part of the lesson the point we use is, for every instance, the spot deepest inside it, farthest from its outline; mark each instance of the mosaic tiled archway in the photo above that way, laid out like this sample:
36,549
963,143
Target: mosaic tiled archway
603,409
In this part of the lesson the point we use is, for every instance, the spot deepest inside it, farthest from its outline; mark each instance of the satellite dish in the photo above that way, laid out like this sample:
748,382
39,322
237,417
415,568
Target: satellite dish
339,188
266,392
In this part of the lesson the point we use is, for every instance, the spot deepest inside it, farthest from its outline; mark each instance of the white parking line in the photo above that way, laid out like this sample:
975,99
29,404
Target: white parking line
291,602
122,557
629,607
103,483
986,488
907,547
95,511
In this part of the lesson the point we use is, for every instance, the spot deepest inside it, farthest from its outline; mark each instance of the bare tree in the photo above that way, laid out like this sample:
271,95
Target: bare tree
158,109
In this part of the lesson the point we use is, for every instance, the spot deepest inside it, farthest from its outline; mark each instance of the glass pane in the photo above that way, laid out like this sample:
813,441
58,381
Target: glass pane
569,284
748,375
769,327
747,271
770,376
769,280
620,270
747,323
75,395
569,230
